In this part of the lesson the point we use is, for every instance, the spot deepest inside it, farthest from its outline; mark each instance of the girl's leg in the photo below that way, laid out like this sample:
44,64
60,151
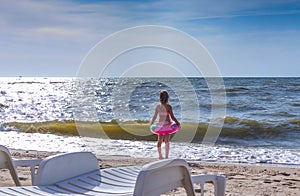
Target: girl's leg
167,145
159,142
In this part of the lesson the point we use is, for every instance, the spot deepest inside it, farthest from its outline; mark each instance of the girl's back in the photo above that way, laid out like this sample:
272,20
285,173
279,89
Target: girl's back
163,111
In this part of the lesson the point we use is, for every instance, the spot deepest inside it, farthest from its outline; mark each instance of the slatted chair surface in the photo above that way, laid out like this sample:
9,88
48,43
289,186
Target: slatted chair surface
79,174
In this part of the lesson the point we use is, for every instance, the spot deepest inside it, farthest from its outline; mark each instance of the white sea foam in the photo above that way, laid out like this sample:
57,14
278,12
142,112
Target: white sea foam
216,153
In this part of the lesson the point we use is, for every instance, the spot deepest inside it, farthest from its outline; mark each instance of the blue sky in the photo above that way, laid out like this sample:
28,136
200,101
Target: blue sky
246,38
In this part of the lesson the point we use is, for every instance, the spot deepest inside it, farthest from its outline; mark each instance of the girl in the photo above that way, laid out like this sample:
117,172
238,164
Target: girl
165,113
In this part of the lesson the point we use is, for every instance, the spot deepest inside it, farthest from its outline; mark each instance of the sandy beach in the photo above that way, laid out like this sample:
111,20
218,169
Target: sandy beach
241,179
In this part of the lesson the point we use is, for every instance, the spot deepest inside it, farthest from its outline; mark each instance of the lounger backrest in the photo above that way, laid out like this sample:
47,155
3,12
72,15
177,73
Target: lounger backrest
6,162
64,166
4,156
162,176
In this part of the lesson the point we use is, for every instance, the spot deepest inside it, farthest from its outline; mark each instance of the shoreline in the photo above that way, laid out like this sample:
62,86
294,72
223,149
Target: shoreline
242,179
141,149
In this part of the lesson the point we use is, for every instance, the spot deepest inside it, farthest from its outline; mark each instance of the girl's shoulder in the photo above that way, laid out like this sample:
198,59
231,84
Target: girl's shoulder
168,105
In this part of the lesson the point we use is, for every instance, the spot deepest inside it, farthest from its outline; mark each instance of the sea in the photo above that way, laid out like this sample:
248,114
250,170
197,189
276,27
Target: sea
254,120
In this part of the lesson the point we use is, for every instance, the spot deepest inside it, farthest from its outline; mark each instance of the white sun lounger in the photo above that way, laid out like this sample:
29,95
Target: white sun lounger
79,174
7,162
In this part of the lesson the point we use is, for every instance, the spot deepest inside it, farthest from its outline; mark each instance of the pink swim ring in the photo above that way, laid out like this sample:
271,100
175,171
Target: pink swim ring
164,129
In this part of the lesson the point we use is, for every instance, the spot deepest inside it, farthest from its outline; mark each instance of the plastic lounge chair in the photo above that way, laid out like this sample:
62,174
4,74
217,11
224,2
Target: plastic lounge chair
79,174
7,162
163,176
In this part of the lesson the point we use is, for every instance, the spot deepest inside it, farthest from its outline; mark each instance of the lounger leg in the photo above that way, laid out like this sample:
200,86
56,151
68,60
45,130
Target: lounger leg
14,174
218,181
202,189
221,185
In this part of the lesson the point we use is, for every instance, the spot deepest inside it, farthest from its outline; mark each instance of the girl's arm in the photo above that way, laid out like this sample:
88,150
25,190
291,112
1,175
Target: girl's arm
154,116
172,116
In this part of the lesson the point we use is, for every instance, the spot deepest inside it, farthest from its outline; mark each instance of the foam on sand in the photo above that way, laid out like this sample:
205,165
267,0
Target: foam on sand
147,149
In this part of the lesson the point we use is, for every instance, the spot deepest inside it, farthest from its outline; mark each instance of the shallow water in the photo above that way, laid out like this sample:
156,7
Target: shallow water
261,125
140,149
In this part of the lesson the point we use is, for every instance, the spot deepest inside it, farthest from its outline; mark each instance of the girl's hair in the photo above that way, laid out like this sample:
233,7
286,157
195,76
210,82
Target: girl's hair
164,96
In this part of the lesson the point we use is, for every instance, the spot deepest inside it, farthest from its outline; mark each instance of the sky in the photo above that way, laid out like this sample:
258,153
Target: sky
50,38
